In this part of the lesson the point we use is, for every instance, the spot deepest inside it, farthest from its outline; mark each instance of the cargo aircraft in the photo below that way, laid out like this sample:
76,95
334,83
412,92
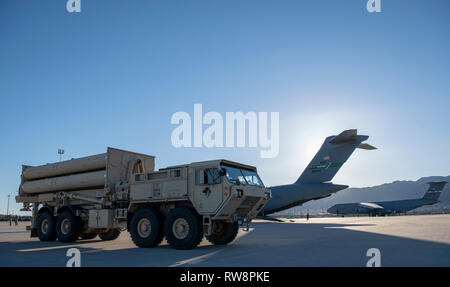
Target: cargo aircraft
315,181
391,207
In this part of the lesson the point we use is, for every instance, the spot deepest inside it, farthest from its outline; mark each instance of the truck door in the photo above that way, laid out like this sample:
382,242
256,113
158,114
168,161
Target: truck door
207,195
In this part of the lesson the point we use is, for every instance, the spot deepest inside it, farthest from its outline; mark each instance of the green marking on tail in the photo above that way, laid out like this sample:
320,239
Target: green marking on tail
335,164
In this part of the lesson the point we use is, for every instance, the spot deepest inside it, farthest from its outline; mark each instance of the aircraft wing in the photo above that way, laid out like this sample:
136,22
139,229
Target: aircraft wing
370,205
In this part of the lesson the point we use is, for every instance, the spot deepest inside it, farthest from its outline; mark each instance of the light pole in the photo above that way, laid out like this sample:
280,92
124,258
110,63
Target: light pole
60,152
7,210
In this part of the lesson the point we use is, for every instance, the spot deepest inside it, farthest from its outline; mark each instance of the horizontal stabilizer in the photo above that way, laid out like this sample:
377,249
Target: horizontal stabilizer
345,136
366,146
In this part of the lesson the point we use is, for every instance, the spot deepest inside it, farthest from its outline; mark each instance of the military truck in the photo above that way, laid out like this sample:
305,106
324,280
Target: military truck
107,193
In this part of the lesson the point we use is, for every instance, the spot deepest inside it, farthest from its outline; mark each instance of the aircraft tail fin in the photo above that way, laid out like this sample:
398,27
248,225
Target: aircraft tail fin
332,155
435,189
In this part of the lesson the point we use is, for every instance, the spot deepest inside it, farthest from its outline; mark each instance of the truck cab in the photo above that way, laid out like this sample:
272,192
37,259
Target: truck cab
222,193
224,190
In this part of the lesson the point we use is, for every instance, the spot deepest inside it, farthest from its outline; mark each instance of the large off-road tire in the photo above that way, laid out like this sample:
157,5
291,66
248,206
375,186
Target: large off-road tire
183,228
68,227
46,227
146,228
110,235
86,236
223,232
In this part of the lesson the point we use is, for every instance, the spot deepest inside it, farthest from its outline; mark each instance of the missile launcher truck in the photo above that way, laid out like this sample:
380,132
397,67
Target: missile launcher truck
107,193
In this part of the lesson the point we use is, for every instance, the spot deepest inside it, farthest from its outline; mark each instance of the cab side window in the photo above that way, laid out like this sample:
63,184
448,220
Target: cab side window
208,176
197,177
212,176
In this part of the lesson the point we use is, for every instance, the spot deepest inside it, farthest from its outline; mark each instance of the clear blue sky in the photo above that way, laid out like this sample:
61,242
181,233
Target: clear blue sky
115,73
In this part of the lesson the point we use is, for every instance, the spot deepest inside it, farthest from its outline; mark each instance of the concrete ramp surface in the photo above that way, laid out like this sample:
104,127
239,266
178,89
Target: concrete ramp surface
402,240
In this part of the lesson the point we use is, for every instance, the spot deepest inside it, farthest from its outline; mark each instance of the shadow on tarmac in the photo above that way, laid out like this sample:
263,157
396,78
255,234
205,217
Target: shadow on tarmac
268,244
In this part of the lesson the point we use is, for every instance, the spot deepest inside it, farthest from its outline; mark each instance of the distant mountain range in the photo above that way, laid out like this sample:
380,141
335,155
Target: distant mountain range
389,191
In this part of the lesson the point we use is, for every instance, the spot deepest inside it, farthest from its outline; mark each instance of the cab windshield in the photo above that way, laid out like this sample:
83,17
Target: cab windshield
241,176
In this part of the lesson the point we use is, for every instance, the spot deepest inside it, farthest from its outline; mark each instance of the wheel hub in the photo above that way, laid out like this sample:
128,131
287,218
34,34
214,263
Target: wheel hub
65,226
44,226
144,227
218,227
180,228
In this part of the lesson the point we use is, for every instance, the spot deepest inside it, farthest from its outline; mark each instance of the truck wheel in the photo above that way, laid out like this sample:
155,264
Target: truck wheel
86,236
223,232
146,228
45,226
183,228
110,235
68,227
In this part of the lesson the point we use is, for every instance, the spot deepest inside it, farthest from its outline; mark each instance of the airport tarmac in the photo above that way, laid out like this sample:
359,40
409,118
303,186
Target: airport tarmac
402,240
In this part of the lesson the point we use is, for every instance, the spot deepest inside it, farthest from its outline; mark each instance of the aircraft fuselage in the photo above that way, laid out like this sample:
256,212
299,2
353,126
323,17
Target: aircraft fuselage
388,207
290,195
